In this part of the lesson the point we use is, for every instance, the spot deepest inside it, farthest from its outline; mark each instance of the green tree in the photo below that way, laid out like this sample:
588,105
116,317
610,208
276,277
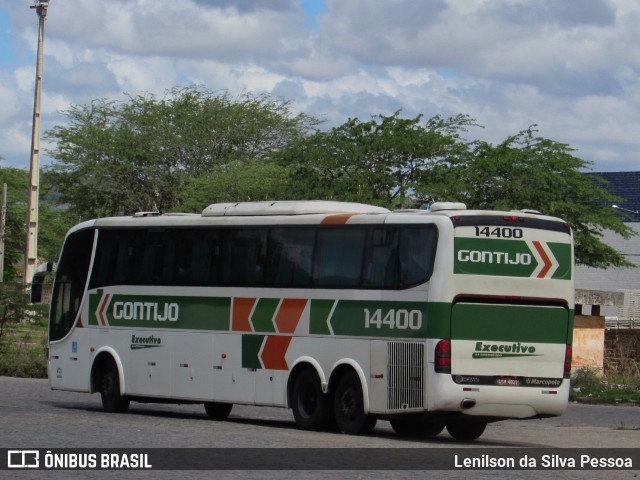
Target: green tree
530,172
16,215
238,182
399,163
121,157
382,161
53,222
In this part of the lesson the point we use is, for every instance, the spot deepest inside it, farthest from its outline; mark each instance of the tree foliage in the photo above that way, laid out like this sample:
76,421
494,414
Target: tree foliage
192,147
16,215
399,163
238,182
140,155
53,221
382,161
530,172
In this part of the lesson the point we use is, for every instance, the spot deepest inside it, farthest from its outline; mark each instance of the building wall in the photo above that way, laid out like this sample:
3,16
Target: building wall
613,279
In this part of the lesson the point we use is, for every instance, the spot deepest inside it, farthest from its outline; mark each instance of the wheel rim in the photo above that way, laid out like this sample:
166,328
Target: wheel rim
349,403
308,402
107,384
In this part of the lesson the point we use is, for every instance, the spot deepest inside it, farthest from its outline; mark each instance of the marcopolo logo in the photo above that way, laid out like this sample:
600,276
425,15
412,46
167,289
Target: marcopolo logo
150,341
502,350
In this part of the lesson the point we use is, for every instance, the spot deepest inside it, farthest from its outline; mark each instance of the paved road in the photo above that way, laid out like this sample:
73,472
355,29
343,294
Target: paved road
33,416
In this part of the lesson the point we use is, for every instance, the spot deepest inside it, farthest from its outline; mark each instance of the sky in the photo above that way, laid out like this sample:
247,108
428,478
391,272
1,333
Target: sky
571,67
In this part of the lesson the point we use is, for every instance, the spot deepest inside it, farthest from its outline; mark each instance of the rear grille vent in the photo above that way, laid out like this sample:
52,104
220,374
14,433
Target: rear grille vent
405,374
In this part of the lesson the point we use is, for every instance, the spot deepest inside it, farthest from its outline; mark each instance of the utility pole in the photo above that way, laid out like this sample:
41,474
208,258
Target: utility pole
31,248
3,224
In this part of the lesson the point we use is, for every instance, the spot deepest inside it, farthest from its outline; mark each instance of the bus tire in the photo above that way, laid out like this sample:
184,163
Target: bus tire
349,407
311,407
112,400
422,426
217,410
466,430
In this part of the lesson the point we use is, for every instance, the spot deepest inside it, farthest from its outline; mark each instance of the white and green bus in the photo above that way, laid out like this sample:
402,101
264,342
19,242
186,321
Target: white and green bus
345,313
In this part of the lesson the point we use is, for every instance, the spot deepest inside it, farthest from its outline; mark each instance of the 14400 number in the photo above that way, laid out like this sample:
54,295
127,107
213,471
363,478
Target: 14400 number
499,232
401,319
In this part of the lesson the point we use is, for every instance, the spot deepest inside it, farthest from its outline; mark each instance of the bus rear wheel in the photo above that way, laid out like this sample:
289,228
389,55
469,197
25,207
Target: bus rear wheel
311,407
217,410
466,430
112,400
349,407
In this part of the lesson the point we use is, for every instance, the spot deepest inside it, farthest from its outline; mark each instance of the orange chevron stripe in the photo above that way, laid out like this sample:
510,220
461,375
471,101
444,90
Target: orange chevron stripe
545,258
275,348
105,302
242,308
337,219
289,314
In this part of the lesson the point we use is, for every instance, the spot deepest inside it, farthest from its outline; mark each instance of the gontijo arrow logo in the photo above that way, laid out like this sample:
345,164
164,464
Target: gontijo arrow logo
512,258
547,263
102,309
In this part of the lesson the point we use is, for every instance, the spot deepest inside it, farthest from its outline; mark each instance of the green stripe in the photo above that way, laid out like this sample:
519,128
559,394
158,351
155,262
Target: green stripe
510,323
262,318
318,322
251,345
562,252
439,324
193,313
380,319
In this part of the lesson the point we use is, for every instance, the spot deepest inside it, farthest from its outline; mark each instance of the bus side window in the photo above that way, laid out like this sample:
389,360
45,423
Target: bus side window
290,257
208,256
128,257
339,254
184,262
244,252
104,259
417,254
150,269
381,262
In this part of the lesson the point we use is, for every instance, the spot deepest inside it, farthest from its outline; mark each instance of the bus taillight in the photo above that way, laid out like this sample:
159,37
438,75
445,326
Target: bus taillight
443,356
567,361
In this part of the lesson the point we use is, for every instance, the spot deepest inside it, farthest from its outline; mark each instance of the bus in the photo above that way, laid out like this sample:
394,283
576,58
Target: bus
343,312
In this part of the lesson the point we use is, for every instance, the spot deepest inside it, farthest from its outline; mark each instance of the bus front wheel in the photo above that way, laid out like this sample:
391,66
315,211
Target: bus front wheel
112,400
217,410
466,431
349,407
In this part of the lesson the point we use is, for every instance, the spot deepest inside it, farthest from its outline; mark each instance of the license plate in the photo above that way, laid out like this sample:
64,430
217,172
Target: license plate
508,382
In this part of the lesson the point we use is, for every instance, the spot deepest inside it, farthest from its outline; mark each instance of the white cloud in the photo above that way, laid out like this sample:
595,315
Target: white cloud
508,63
8,100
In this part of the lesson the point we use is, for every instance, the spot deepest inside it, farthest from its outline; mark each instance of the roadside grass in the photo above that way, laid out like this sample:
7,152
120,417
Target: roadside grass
23,334
23,351
589,387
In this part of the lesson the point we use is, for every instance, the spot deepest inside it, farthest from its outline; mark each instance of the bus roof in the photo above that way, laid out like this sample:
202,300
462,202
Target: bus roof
304,207
316,211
